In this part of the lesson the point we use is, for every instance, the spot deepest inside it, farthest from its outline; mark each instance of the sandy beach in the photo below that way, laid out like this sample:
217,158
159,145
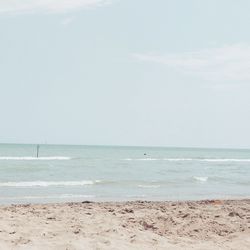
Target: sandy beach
213,224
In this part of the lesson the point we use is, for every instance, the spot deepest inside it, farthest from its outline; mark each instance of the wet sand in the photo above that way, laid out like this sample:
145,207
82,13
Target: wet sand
214,224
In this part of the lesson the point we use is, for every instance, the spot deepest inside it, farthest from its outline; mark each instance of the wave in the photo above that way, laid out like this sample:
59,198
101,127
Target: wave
189,159
148,186
226,160
30,158
62,196
143,159
200,178
47,183
153,184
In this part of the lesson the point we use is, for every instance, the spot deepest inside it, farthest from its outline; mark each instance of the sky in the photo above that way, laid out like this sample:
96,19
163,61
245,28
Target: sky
125,72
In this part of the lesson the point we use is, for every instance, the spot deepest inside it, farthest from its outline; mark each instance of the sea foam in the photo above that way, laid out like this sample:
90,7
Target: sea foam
149,186
30,158
200,178
61,196
188,159
47,183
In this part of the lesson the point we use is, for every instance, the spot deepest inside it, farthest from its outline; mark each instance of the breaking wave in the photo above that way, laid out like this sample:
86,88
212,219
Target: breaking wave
200,178
47,183
149,186
62,196
30,158
188,159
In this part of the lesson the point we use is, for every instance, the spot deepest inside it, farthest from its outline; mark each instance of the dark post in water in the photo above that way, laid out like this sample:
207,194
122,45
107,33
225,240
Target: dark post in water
37,151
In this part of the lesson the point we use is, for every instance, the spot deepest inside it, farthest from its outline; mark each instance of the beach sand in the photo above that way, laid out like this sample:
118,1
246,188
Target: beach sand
214,224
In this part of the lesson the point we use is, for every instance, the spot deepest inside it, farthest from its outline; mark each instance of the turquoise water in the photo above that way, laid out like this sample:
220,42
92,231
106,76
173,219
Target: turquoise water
76,173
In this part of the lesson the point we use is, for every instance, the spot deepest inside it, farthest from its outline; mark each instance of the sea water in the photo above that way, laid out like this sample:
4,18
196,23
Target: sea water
106,173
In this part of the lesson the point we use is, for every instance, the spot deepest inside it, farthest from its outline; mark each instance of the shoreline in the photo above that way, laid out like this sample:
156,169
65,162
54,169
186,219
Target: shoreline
206,224
126,201
53,200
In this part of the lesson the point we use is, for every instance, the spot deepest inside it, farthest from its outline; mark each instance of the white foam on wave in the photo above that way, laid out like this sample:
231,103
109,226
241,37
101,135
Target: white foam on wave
159,159
30,158
207,159
178,159
200,178
226,160
47,183
62,196
148,186
188,159
143,159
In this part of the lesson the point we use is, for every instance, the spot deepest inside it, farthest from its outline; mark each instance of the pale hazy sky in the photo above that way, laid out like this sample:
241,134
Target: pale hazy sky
125,72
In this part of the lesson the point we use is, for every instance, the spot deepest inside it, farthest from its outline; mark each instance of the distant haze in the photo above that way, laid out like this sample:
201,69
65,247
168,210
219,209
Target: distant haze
124,72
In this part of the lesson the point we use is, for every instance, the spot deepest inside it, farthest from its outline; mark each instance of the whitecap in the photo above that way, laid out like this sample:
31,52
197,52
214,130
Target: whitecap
148,186
62,196
30,158
47,183
200,178
190,159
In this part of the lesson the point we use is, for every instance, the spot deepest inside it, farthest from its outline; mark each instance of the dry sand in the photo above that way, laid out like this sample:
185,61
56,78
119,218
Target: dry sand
140,225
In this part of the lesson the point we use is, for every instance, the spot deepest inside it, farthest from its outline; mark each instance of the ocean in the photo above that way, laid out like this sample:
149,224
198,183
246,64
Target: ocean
111,173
